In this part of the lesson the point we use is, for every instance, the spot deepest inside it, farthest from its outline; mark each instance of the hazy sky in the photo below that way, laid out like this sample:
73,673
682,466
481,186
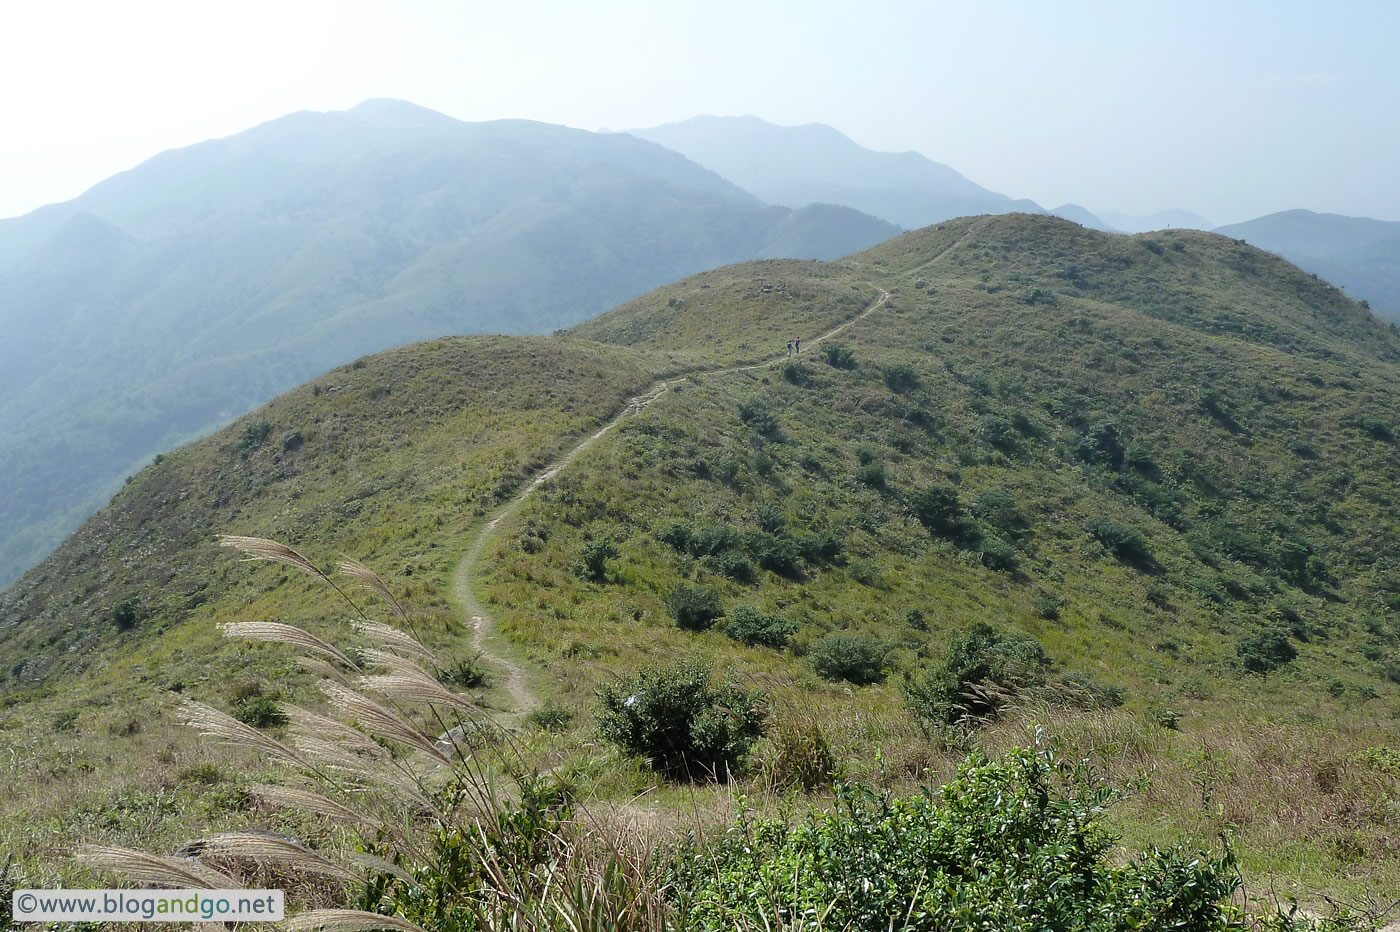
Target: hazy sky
1229,108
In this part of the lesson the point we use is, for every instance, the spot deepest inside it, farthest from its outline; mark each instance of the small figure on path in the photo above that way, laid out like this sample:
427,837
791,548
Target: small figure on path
789,348
798,342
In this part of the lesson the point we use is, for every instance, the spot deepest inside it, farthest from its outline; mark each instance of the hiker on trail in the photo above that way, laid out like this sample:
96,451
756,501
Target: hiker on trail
798,341
789,347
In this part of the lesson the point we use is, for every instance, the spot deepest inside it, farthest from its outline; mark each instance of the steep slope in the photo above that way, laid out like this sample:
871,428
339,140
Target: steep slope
797,165
1170,459
1358,253
177,295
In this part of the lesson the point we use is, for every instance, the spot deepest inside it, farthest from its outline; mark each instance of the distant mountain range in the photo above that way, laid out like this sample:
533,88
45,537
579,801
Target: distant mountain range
179,294
797,165
1358,253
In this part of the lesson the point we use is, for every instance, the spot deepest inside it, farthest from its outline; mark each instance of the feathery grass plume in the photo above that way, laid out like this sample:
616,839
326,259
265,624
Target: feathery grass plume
396,640
286,634
212,723
141,867
259,548
371,580
265,846
372,864
321,668
394,663
413,688
346,920
307,724
379,720
288,797
382,777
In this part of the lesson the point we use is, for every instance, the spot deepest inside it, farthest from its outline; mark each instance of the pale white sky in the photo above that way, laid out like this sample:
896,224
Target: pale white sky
1232,109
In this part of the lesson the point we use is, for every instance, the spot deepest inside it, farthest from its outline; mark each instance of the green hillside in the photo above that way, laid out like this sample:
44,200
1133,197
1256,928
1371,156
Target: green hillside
1162,469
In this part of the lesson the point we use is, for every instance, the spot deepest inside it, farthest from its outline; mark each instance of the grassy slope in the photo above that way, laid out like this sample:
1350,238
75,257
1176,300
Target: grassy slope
394,459
1135,330
1127,328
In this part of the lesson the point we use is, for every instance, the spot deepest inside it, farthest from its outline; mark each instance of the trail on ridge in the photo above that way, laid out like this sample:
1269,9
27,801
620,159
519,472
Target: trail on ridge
512,675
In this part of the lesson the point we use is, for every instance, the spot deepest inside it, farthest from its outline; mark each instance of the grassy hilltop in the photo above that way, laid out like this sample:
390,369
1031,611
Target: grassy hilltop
1163,468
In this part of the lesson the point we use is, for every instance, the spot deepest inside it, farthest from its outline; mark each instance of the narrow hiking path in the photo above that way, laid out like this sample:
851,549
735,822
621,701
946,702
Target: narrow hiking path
479,620
483,628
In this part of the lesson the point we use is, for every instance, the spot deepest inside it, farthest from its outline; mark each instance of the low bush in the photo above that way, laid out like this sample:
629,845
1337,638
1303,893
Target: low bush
758,629
685,725
1125,543
592,565
1265,650
694,608
1016,842
855,658
984,667
839,355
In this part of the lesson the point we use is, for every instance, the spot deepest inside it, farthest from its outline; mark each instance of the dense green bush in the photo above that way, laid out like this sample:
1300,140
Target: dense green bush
592,565
983,668
757,416
1102,444
755,628
680,720
1125,543
937,508
1015,843
694,608
254,435
839,355
900,377
126,613
997,554
855,658
1265,650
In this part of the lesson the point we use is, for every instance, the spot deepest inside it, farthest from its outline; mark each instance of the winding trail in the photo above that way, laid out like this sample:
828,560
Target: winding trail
513,683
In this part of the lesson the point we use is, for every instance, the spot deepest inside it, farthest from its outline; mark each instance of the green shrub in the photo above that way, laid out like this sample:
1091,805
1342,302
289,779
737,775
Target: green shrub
763,421
1102,444
550,717
779,553
254,435
794,372
683,723
1125,543
466,673
734,565
126,613
694,608
998,432
758,629
66,720
259,711
1265,650
900,377
1047,607
997,554
937,508
839,355
592,565
984,667
998,509
855,658
872,475
769,516
1016,842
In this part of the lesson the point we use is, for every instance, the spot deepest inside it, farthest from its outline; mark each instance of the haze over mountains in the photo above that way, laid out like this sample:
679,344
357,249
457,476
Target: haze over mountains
796,165
181,293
